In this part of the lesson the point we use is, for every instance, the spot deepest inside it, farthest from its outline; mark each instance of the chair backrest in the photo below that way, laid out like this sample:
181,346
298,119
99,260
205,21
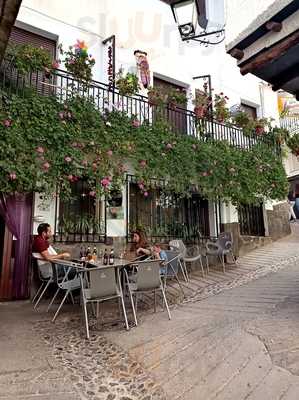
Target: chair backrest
179,245
173,262
102,283
148,275
44,267
223,238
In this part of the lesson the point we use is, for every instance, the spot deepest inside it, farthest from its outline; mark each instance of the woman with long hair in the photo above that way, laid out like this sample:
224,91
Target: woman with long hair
140,244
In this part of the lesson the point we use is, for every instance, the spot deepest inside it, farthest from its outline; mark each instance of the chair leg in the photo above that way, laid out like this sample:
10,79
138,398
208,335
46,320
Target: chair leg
85,318
155,301
178,281
60,305
165,302
72,298
208,266
223,263
184,270
43,292
201,266
125,312
52,301
38,292
133,307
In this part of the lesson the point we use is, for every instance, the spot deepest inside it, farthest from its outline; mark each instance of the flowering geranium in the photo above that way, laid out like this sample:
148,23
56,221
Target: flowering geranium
78,62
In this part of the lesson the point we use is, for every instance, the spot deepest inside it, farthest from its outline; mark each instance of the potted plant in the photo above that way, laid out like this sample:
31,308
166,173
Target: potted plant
202,102
128,84
156,97
293,144
259,126
78,62
221,111
281,135
27,58
176,97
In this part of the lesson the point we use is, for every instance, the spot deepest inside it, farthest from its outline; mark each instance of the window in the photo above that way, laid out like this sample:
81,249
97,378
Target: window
166,216
82,218
250,110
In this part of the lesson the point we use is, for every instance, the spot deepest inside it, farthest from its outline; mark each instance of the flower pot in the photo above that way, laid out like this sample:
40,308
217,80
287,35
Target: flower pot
259,130
199,111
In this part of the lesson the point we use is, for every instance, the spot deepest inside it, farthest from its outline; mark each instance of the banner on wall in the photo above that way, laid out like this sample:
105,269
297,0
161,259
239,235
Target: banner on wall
287,105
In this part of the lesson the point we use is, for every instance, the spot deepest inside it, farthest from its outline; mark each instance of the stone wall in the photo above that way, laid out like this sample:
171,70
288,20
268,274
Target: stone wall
278,221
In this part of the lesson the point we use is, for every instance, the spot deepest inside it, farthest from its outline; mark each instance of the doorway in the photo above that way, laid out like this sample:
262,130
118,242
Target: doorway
174,113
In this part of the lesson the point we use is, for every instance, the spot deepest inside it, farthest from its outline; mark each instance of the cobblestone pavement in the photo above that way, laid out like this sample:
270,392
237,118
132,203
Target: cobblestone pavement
238,344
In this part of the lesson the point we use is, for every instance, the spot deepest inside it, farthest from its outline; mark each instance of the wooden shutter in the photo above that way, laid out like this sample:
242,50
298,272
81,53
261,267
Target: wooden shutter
21,36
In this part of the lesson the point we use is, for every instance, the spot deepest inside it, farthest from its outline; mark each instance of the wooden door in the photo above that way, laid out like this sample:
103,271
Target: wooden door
175,114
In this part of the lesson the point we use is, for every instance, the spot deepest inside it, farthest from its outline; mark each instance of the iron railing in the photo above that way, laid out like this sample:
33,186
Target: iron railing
63,85
251,219
291,123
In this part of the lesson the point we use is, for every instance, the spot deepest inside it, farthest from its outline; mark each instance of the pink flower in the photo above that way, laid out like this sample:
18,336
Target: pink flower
55,64
273,185
136,123
74,144
92,193
85,163
7,123
46,166
40,150
169,146
110,153
70,178
61,115
145,194
141,186
205,173
12,176
67,159
142,163
105,182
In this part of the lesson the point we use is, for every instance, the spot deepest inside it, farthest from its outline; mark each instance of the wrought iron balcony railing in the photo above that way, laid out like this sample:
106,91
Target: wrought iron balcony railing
291,123
63,85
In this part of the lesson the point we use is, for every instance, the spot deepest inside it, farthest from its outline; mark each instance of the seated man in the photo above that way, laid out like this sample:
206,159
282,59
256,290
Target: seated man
43,251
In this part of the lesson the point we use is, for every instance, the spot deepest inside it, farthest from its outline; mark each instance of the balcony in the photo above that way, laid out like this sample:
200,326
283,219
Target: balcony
64,85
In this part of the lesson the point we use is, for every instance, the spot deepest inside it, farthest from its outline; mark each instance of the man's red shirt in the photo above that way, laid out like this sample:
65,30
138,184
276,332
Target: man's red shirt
39,244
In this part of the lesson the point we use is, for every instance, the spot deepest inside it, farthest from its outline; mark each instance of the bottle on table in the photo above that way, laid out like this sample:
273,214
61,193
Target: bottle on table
105,257
94,253
88,254
111,257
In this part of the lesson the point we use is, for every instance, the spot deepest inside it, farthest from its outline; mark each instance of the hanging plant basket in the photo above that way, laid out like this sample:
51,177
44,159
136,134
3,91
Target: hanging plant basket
128,84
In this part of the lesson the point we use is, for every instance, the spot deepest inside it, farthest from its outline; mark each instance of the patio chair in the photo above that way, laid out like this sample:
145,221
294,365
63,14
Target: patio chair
103,285
45,275
221,248
184,258
147,280
69,281
170,268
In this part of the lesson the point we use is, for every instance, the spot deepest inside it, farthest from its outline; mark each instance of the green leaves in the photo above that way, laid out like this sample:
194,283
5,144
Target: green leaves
45,145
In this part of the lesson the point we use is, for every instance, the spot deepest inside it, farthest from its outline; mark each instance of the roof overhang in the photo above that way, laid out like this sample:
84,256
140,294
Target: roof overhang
269,47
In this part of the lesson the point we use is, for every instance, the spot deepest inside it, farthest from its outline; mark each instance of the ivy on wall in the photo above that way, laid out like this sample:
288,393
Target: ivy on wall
45,145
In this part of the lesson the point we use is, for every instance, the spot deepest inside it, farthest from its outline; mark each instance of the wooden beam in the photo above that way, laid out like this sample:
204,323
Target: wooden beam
273,53
237,53
274,26
285,77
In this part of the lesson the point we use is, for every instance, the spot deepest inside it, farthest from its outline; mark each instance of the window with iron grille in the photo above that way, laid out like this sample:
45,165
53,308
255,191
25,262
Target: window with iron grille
165,216
251,219
82,217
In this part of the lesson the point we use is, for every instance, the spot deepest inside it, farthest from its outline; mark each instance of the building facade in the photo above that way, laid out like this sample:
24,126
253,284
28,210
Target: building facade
114,30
